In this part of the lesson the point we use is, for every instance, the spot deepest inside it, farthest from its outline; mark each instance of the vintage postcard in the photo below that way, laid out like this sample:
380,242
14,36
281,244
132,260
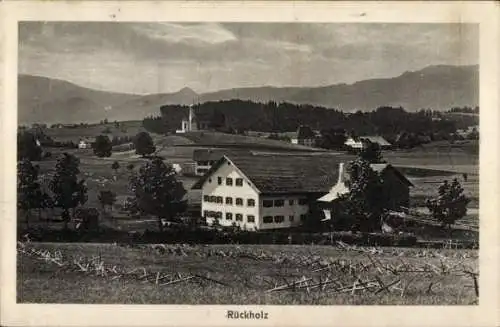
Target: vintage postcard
249,163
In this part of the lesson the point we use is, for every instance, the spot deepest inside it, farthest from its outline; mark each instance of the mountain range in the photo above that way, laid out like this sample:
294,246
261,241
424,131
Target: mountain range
48,100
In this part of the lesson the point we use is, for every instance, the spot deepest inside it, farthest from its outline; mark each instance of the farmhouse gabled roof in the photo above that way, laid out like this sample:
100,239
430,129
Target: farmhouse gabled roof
381,167
305,132
274,173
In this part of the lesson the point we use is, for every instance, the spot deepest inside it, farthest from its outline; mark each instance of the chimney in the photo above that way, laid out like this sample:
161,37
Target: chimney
341,173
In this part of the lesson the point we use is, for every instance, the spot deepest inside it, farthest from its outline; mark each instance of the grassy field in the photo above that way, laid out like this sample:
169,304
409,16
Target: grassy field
126,128
178,274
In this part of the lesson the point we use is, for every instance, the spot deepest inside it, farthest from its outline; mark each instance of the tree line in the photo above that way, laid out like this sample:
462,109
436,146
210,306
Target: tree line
287,117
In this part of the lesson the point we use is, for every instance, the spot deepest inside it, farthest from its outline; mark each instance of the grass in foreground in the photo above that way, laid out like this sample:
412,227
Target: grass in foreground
235,274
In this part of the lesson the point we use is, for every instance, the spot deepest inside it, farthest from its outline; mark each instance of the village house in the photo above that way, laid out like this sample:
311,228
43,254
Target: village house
396,189
305,136
259,191
358,143
85,144
193,122
265,191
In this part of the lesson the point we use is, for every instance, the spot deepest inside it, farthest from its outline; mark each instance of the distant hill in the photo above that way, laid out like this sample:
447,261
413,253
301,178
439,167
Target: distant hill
42,99
49,100
434,87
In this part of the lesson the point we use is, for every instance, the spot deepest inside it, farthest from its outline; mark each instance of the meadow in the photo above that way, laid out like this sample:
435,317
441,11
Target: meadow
213,274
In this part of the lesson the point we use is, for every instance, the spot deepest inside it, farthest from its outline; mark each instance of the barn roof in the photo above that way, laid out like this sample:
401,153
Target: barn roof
376,139
275,173
381,167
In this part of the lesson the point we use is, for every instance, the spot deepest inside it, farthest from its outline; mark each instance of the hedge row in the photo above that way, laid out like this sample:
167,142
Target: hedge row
200,236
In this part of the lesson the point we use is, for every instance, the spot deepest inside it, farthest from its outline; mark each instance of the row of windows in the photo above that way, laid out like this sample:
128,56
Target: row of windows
250,218
280,219
229,200
229,216
229,181
281,203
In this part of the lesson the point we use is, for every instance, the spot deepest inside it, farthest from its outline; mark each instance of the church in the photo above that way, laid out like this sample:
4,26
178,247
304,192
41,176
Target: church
193,122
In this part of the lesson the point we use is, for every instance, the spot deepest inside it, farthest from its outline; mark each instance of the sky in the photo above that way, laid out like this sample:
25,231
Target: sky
144,58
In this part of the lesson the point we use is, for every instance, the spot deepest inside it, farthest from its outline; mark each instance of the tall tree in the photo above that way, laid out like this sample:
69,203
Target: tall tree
365,202
28,147
371,153
218,119
115,166
69,192
144,144
102,146
106,198
157,191
450,204
28,188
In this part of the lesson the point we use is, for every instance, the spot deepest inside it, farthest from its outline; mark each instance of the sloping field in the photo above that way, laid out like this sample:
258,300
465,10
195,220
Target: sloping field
216,139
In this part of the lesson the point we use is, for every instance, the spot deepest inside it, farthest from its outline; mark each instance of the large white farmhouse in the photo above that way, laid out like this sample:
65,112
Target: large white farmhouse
264,191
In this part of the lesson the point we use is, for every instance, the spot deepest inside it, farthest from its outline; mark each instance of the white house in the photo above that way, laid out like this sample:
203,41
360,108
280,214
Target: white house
265,191
84,144
305,136
360,142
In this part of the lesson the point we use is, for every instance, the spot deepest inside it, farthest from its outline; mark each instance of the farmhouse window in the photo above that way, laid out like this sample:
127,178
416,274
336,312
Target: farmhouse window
220,199
290,218
250,218
251,202
229,181
279,219
302,202
267,203
219,180
267,219
279,203
303,217
239,201
290,202
213,198
239,217
218,214
206,198
229,216
229,200
239,181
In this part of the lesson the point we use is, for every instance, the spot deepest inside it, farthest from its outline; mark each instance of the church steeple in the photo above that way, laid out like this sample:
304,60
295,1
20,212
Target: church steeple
191,115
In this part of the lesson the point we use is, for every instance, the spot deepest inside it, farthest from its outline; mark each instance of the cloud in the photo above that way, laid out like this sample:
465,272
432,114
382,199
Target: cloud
174,33
165,57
